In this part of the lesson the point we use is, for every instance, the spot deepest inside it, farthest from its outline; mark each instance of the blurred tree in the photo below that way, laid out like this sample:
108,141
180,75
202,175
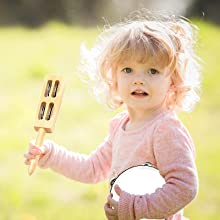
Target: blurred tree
208,9
36,12
89,12
30,12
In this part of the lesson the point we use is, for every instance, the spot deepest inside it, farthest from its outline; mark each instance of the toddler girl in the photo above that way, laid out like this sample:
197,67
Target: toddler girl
148,65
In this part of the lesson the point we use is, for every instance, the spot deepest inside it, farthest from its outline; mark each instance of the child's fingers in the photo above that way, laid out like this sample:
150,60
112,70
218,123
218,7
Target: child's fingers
37,150
109,211
117,189
44,149
33,149
27,161
29,156
33,152
112,202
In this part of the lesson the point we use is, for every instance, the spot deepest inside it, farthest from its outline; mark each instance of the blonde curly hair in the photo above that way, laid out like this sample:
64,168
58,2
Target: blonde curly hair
165,38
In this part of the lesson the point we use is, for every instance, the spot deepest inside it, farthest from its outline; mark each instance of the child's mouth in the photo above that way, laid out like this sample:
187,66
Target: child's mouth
139,93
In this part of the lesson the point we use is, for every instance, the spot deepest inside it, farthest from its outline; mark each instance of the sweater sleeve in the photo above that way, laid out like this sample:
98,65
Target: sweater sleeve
91,168
174,154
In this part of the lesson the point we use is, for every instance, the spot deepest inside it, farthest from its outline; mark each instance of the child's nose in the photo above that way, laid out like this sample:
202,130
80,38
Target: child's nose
138,82
139,79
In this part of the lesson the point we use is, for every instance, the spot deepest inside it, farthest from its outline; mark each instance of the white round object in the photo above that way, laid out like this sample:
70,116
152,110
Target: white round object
138,180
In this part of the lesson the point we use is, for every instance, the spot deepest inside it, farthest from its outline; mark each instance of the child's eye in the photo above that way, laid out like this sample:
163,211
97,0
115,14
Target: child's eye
127,70
153,71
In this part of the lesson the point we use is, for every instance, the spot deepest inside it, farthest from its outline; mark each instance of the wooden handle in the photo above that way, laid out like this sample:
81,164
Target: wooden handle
39,142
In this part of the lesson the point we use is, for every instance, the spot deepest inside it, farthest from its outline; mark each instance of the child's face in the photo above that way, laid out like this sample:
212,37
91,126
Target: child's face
142,86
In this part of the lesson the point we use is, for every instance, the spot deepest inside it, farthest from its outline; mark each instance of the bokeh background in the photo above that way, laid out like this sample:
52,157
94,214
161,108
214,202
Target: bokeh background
40,37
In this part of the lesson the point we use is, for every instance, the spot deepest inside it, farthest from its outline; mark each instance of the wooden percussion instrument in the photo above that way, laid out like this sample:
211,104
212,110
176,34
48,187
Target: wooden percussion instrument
47,111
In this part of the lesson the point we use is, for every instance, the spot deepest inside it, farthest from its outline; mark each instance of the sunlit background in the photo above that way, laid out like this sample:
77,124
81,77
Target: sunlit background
40,37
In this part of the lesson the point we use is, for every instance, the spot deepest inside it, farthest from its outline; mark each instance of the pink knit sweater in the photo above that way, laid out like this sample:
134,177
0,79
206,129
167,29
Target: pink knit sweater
162,141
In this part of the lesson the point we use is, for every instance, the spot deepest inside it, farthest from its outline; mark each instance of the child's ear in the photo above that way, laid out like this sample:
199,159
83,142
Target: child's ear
172,86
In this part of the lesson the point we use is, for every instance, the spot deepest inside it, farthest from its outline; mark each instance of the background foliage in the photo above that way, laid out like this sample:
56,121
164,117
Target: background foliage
33,13
27,55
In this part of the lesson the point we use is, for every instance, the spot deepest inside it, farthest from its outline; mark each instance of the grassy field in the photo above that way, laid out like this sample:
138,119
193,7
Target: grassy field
26,56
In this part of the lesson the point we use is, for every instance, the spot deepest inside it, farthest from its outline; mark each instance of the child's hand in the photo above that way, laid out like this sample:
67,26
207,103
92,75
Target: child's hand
111,206
34,151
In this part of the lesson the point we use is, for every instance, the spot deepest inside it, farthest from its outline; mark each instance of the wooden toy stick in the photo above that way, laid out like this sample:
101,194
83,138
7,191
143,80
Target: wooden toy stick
47,112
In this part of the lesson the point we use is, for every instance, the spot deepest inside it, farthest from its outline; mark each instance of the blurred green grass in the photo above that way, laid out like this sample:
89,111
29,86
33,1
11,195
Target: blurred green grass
27,55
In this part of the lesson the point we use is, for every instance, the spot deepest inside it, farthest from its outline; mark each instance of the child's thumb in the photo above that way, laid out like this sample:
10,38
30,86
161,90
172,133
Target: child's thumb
43,149
117,189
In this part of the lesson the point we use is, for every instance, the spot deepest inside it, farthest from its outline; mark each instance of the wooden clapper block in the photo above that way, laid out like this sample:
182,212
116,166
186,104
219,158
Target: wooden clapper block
47,111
